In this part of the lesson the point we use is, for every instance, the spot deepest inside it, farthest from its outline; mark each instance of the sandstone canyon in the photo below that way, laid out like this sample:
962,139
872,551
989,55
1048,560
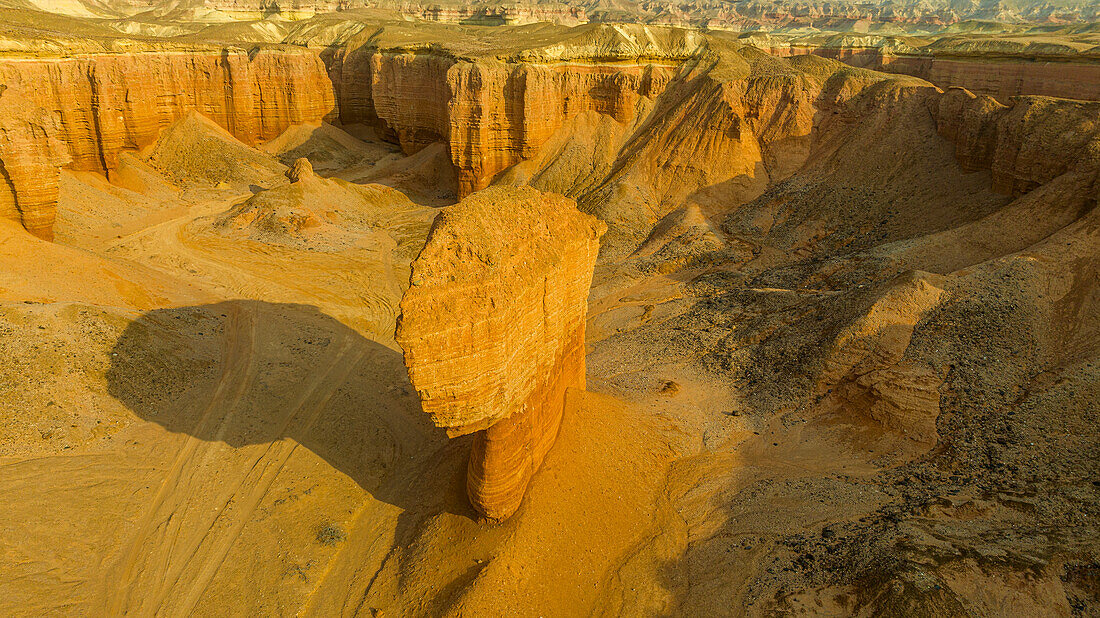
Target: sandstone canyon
549,309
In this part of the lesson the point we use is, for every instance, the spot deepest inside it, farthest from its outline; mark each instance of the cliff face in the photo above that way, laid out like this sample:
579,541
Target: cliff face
1024,145
83,111
739,123
410,97
723,130
1003,80
493,330
111,102
493,114
31,154
997,76
501,115
404,94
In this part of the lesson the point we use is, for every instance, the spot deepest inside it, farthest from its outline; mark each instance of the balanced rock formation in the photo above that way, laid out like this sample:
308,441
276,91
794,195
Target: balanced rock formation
493,330
30,158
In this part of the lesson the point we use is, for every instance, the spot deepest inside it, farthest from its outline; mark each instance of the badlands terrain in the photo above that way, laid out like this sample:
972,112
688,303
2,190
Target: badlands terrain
357,312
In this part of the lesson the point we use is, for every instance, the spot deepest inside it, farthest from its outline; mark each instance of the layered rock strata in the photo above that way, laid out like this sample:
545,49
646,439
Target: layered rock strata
495,15
492,114
1000,75
492,111
1023,145
107,103
493,327
503,115
31,154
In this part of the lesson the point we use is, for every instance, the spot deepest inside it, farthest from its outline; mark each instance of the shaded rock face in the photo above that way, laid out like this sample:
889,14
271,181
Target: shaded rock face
30,158
1024,145
493,330
107,103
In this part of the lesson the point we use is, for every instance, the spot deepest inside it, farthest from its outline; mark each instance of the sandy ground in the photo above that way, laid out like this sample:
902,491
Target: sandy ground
205,412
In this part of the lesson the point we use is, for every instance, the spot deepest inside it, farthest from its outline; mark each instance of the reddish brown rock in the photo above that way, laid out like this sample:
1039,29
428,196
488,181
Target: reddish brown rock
493,330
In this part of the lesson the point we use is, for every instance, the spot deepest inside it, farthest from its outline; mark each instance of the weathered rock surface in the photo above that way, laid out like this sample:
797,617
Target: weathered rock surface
106,103
492,108
493,330
1024,145
866,371
818,284
492,114
30,158
501,115
997,67
495,15
302,169
911,15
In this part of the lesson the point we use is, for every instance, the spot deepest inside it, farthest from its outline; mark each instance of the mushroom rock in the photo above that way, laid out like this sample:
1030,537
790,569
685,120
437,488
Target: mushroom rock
492,329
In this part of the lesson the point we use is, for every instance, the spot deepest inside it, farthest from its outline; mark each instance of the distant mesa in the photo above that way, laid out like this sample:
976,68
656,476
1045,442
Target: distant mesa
493,327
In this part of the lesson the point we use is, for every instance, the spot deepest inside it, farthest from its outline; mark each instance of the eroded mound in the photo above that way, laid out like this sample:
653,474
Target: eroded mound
196,150
317,214
328,148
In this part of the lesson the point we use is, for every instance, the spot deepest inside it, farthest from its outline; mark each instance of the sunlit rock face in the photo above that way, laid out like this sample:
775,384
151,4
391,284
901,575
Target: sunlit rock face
107,103
31,154
493,330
